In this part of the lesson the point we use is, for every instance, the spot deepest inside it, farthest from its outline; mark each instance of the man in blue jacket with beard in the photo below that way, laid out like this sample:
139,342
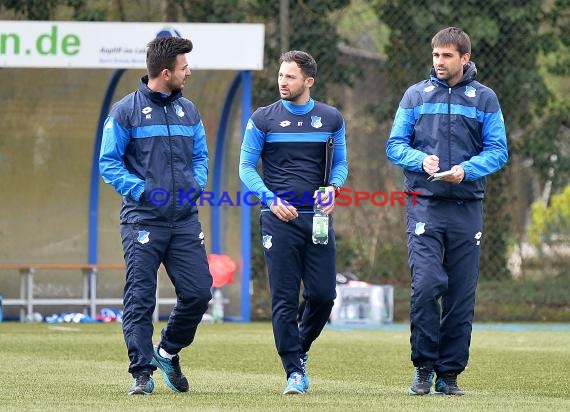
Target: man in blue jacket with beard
448,123
154,153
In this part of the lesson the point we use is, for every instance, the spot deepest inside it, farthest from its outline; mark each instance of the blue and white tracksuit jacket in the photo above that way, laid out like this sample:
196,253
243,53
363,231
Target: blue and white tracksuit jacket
462,125
156,144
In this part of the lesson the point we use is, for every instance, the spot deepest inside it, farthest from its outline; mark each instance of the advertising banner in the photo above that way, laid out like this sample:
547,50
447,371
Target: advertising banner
57,44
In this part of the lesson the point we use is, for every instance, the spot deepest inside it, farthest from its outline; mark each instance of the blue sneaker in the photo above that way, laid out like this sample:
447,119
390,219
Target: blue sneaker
295,385
421,384
447,385
171,371
304,359
142,385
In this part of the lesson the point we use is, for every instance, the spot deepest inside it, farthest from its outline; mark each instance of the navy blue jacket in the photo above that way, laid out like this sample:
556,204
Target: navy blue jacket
291,142
462,125
156,144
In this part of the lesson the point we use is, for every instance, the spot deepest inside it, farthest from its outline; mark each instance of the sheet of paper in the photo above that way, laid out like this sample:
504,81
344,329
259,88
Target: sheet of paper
440,175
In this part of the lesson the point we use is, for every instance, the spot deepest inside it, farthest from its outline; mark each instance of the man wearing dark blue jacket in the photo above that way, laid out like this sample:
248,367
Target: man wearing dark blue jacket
155,155
448,123
290,136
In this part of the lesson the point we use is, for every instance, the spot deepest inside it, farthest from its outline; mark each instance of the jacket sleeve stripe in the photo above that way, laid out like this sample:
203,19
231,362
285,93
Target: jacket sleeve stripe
200,155
111,166
398,147
251,148
339,171
495,153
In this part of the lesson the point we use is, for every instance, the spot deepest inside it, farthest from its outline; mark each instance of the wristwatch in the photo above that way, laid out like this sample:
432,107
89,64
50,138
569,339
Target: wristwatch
336,189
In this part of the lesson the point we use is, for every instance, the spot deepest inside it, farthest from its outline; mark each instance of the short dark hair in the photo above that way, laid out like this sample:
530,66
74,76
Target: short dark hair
454,37
161,53
304,60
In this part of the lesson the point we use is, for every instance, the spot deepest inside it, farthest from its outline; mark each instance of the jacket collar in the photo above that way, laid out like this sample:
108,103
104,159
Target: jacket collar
469,73
157,97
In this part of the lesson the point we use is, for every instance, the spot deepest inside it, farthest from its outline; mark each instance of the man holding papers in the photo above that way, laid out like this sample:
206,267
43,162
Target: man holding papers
450,124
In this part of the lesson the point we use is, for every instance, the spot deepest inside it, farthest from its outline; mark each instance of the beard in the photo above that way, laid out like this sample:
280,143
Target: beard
175,87
293,94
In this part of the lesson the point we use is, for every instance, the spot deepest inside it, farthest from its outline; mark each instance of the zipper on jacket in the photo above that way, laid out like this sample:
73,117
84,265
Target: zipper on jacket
449,188
171,166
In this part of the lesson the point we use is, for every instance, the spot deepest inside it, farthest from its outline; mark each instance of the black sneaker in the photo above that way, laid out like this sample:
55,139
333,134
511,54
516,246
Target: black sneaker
447,385
423,378
171,371
142,385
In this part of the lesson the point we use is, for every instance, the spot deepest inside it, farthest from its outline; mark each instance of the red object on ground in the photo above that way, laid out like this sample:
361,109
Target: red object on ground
222,268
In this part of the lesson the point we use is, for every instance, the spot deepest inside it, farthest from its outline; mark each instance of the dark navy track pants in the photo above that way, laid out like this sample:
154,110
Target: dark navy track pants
181,250
444,243
291,256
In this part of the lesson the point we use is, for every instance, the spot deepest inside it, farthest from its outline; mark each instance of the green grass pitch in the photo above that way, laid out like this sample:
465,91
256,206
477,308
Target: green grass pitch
234,367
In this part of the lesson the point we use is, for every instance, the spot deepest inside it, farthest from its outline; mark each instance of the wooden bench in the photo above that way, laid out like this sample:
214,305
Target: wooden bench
88,299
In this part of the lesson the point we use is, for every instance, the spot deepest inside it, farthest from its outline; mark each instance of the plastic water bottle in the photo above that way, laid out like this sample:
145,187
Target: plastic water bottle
1,311
320,223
